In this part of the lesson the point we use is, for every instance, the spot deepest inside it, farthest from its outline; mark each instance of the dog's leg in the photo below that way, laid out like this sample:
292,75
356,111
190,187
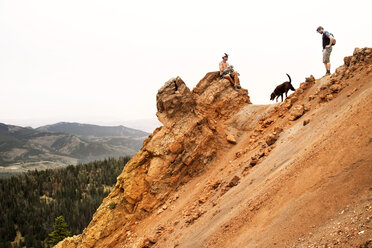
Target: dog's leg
282,96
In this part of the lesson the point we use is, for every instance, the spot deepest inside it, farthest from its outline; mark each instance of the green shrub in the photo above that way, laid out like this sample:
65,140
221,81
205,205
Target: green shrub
112,205
60,231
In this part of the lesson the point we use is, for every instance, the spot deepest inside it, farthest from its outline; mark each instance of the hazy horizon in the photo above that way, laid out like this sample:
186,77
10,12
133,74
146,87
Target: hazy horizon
147,125
102,62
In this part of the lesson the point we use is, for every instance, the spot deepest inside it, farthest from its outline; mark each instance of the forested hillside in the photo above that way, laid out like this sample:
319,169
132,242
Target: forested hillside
30,202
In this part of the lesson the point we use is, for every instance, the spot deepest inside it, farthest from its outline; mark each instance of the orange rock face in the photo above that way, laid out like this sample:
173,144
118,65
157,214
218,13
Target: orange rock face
222,172
181,149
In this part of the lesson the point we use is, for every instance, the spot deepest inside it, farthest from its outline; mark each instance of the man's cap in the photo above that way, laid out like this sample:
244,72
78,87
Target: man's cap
319,28
226,55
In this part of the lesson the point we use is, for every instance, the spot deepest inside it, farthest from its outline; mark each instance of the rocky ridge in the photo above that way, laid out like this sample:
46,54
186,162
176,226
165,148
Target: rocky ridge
165,198
189,141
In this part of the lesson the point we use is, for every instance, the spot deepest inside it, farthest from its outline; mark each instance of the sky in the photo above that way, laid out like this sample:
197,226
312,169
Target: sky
102,62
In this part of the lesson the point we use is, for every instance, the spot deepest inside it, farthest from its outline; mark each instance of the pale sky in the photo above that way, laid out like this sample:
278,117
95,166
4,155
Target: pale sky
102,62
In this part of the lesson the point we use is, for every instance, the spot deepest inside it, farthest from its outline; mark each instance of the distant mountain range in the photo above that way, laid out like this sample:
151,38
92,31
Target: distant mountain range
147,125
23,148
92,131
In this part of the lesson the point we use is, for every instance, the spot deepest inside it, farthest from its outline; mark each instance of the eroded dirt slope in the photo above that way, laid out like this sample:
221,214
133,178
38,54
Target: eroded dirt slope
225,173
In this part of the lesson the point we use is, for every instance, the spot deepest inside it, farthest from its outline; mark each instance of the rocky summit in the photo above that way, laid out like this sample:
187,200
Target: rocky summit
222,172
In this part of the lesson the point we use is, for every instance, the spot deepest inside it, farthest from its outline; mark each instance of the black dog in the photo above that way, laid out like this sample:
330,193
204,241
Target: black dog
281,89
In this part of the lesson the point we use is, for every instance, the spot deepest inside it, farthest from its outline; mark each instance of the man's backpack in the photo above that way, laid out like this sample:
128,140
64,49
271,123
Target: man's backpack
334,40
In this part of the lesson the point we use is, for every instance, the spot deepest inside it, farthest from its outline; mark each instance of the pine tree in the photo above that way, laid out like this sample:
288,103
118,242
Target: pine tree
60,231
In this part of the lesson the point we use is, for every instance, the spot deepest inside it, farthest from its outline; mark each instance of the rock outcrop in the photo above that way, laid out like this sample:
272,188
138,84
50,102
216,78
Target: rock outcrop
272,173
192,136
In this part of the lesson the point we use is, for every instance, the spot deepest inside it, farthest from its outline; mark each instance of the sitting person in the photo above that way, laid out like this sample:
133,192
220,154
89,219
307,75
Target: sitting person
227,71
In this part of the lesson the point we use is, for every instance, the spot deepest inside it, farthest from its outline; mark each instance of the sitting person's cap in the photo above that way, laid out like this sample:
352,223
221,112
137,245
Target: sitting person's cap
226,55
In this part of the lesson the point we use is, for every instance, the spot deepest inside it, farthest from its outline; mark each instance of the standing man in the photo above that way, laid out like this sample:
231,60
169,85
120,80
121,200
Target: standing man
328,42
227,71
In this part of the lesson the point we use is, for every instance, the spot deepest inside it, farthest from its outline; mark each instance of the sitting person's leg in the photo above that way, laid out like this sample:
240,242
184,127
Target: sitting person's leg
236,78
227,76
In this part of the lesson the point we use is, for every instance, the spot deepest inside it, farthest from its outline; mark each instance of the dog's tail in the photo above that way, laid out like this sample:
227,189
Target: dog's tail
290,80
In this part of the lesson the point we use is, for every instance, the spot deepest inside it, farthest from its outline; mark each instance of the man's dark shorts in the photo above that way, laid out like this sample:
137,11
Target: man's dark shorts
227,71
